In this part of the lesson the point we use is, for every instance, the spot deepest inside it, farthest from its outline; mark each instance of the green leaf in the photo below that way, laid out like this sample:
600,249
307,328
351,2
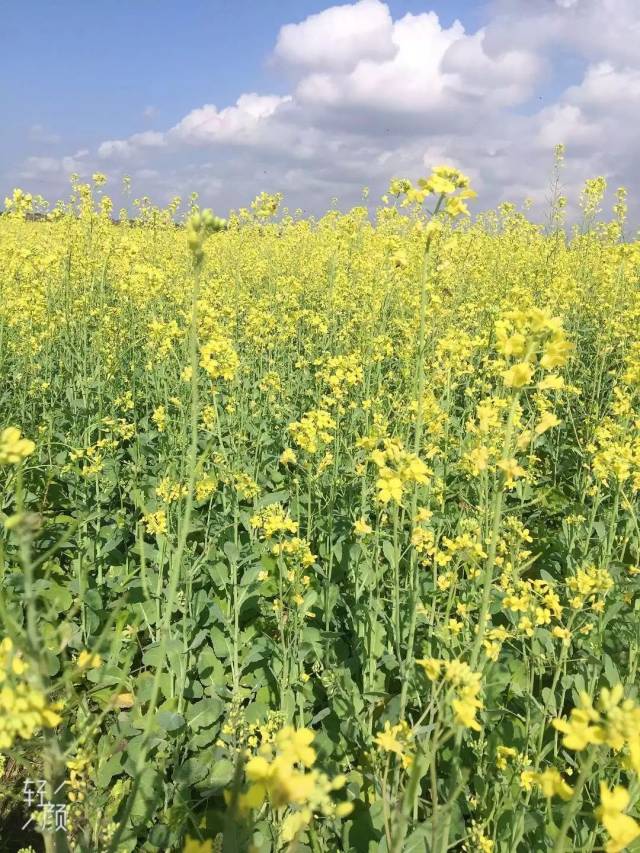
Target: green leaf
169,721
389,552
108,769
192,771
250,575
220,774
610,671
231,550
220,643
204,713
280,497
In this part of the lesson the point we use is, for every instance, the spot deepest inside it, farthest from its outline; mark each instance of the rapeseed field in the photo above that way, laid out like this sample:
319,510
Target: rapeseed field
319,535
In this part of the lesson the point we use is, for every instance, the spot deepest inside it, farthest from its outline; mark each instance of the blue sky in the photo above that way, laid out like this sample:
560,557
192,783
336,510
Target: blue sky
79,74
88,70
82,70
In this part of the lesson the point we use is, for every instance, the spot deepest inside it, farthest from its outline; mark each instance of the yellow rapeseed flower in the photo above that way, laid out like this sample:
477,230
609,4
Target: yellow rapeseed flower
622,828
14,448
518,375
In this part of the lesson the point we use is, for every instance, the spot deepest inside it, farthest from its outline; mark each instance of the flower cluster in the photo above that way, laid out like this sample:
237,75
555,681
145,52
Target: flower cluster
397,739
282,773
463,687
528,338
443,183
169,491
14,448
155,522
535,602
341,374
589,586
24,709
313,431
622,828
614,722
397,468
219,359
272,521
550,782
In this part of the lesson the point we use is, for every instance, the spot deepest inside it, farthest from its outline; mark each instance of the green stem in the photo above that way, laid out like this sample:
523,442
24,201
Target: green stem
496,517
174,570
574,803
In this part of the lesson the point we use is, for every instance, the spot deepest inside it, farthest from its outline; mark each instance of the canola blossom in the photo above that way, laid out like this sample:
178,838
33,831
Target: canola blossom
321,534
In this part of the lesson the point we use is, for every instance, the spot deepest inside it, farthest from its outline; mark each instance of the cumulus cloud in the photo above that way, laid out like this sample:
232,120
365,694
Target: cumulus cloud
371,97
50,170
598,29
239,124
338,38
204,126
566,122
503,79
411,80
125,148
607,89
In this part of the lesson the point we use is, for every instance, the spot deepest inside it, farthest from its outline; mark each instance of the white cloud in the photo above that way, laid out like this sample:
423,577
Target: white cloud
566,123
125,148
36,167
239,124
54,169
410,81
233,124
606,89
373,97
338,38
596,29
504,79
